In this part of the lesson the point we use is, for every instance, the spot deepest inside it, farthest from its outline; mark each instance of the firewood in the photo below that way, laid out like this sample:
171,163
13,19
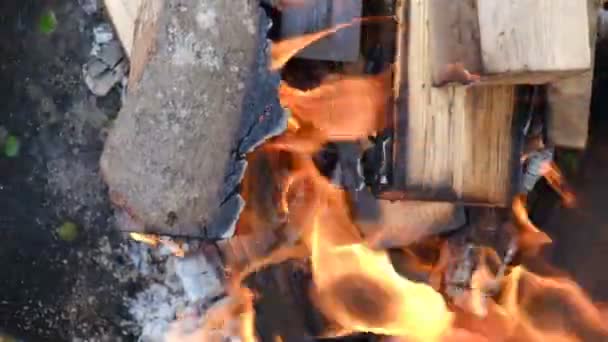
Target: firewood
453,143
529,41
569,100
317,15
200,98
123,14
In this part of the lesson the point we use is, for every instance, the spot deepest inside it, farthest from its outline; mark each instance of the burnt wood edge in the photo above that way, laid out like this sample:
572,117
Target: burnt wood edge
396,190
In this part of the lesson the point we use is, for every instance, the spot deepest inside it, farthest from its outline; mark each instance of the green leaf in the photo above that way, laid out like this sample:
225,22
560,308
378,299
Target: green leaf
48,22
68,231
12,145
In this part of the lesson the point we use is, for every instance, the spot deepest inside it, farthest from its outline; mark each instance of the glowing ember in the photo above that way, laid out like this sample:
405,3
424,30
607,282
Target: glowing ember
344,108
148,239
358,288
155,240
556,180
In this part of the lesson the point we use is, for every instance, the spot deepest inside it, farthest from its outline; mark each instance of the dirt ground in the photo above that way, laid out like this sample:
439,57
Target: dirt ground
52,289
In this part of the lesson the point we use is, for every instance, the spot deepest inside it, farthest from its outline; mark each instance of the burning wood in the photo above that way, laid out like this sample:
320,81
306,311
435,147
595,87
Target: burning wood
156,240
455,287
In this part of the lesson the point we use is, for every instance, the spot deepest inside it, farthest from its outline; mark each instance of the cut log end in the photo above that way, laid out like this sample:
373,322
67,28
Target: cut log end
176,152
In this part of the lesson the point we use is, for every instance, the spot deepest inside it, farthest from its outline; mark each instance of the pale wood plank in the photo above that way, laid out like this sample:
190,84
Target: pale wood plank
533,35
452,143
123,14
569,100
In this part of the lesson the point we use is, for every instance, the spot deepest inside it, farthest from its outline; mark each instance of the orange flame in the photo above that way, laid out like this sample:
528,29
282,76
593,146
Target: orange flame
342,108
364,293
359,289
155,240
557,182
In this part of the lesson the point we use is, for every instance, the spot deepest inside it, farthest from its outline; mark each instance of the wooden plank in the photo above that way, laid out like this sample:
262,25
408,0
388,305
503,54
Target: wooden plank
123,14
454,29
533,35
508,42
569,100
317,15
451,143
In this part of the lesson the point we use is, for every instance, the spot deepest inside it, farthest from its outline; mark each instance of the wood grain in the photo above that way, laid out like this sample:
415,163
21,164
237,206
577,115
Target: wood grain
451,143
569,100
123,14
454,29
317,15
533,35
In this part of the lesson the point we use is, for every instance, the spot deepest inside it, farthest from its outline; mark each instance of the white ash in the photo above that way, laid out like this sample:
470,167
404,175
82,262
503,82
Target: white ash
103,33
107,67
177,287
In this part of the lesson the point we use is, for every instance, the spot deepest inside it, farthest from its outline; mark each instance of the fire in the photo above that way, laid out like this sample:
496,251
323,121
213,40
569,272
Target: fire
155,241
359,288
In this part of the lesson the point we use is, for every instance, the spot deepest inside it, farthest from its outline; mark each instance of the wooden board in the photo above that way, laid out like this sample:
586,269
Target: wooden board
454,29
123,14
569,100
533,35
509,42
451,143
317,15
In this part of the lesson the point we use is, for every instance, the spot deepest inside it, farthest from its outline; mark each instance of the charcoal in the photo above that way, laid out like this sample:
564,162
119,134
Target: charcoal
349,160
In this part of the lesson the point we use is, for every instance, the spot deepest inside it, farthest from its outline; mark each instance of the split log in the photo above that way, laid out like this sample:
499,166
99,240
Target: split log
123,14
200,98
527,41
451,143
318,15
569,100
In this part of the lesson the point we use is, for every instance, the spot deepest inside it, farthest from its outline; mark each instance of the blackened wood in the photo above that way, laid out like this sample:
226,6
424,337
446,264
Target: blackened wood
283,307
317,15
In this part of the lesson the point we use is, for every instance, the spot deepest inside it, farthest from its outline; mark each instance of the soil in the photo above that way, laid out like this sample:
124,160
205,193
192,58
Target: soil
52,289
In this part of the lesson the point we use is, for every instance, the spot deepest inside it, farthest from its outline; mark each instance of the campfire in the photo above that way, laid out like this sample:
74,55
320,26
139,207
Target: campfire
454,255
